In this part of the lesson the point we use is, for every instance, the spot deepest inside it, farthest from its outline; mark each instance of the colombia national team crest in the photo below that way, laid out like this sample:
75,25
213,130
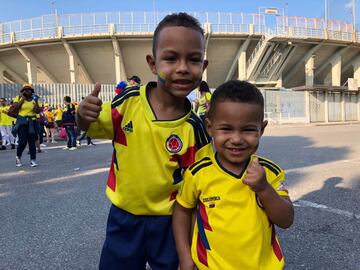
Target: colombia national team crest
174,144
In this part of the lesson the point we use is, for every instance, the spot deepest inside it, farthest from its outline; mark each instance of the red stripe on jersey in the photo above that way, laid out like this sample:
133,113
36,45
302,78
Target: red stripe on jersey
187,159
111,182
275,244
201,251
119,133
204,217
173,196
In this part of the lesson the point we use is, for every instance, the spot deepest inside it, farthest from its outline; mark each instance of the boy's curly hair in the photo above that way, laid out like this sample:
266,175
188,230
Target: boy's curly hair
176,19
236,91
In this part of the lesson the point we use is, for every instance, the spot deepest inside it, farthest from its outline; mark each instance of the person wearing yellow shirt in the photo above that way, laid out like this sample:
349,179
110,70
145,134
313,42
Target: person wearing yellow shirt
202,104
5,126
26,127
50,125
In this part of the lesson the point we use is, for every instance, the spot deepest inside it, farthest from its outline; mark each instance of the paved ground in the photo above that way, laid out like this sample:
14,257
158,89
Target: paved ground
53,216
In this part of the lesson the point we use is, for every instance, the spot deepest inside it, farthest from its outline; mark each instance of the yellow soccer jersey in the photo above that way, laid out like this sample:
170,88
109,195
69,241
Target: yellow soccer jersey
27,108
149,155
58,114
232,230
49,116
5,120
202,103
2,116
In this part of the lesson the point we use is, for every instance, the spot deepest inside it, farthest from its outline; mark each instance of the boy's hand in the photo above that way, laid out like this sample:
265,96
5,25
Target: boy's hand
189,265
256,177
90,108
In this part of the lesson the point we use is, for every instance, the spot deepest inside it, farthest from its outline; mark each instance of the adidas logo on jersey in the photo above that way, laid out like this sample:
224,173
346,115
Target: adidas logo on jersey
128,127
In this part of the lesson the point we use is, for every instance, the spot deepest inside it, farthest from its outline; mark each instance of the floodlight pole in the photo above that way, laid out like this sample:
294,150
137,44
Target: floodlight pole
353,14
327,8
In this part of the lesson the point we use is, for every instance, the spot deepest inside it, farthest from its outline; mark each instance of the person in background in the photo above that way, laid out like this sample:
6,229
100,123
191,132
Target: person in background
42,122
68,122
26,127
6,123
237,195
203,102
50,126
132,81
58,116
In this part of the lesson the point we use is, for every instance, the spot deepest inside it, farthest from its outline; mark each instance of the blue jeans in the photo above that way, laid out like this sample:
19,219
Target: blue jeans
70,132
25,137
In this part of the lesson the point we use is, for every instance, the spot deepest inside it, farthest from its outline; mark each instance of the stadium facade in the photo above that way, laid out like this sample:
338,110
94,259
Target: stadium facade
318,57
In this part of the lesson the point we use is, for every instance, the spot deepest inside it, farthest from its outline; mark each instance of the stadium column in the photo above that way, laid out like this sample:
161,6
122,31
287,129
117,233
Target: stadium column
357,77
34,65
30,66
357,70
78,72
120,73
309,70
240,62
207,28
336,71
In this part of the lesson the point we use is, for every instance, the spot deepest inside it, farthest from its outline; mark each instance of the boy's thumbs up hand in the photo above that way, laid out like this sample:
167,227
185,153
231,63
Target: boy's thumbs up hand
255,176
90,108
96,91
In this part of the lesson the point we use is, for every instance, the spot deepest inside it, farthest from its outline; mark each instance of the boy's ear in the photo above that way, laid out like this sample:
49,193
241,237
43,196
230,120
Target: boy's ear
263,126
150,59
208,126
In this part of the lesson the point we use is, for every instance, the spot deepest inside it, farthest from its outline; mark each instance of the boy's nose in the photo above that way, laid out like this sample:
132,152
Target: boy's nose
236,139
182,66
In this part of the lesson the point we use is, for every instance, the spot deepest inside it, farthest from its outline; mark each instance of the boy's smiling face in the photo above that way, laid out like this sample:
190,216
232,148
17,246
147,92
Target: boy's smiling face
179,60
236,128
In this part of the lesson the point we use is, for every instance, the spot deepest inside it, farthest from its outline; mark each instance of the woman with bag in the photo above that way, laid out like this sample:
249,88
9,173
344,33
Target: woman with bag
26,105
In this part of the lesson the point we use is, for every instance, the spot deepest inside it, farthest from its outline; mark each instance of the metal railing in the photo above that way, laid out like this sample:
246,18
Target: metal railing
47,26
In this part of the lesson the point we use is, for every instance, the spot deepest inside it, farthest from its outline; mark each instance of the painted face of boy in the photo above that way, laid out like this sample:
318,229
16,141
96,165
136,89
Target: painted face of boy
179,60
236,128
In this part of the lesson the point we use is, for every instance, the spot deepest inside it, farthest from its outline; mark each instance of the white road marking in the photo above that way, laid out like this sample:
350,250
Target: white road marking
302,203
72,176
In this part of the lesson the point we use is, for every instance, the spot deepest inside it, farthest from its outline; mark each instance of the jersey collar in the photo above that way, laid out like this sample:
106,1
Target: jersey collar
150,113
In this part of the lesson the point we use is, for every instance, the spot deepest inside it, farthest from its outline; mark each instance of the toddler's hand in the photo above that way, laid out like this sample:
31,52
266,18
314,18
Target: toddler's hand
90,108
256,177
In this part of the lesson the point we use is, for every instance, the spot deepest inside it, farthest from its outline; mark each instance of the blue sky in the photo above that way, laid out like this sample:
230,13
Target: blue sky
20,9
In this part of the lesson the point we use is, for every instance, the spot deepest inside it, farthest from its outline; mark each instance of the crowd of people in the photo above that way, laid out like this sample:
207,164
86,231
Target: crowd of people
26,121
197,196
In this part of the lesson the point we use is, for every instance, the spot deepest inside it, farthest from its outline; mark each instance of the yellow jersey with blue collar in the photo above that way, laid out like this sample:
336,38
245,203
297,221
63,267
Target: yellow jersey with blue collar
232,230
149,156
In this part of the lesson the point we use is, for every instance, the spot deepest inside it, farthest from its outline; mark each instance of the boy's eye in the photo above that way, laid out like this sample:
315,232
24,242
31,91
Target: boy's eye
250,130
224,128
170,58
196,60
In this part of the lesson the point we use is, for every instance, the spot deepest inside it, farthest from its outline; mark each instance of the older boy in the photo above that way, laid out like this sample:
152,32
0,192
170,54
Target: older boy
155,136
239,196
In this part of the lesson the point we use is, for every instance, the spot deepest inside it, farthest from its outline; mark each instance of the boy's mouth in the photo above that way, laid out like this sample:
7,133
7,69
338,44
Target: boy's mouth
237,150
182,84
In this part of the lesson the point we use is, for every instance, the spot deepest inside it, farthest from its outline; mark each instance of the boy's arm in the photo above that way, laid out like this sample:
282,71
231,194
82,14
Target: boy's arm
181,222
278,208
89,109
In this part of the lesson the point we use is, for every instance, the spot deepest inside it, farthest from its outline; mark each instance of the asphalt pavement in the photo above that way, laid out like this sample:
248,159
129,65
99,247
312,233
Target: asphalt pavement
54,216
